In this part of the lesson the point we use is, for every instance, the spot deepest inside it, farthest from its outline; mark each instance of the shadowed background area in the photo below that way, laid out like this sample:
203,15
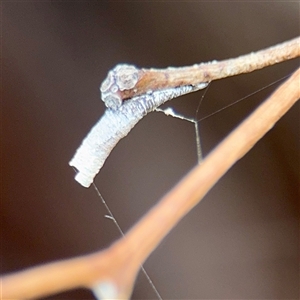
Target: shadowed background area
242,241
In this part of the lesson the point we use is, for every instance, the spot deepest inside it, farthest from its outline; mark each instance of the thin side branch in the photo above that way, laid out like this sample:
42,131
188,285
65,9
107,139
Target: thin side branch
118,266
158,79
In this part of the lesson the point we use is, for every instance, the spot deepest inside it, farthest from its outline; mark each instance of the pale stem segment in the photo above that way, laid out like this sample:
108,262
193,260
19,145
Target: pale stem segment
158,79
112,272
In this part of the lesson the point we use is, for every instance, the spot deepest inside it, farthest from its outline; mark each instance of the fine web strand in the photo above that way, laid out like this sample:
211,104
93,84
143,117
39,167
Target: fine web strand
111,216
197,131
198,143
170,112
243,98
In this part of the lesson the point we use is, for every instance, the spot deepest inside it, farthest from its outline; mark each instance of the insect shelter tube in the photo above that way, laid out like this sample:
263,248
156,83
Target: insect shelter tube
116,124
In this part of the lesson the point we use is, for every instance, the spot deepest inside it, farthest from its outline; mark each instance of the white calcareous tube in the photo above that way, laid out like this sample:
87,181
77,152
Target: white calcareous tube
115,124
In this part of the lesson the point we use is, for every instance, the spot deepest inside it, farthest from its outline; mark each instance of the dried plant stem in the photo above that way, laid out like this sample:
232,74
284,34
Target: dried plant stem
183,197
120,263
158,79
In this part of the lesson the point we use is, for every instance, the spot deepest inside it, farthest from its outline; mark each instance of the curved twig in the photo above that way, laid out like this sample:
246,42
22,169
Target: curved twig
132,81
111,273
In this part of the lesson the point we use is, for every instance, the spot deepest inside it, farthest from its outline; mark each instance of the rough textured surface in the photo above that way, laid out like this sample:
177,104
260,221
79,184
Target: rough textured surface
113,126
122,77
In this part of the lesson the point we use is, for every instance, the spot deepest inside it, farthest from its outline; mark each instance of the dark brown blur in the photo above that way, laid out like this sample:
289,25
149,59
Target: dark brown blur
242,241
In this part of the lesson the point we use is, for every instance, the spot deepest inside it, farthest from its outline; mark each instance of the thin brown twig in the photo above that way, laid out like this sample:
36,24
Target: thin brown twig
120,263
157,79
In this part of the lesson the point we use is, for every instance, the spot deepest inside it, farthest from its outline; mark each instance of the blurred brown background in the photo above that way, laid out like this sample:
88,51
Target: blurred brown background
242,241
